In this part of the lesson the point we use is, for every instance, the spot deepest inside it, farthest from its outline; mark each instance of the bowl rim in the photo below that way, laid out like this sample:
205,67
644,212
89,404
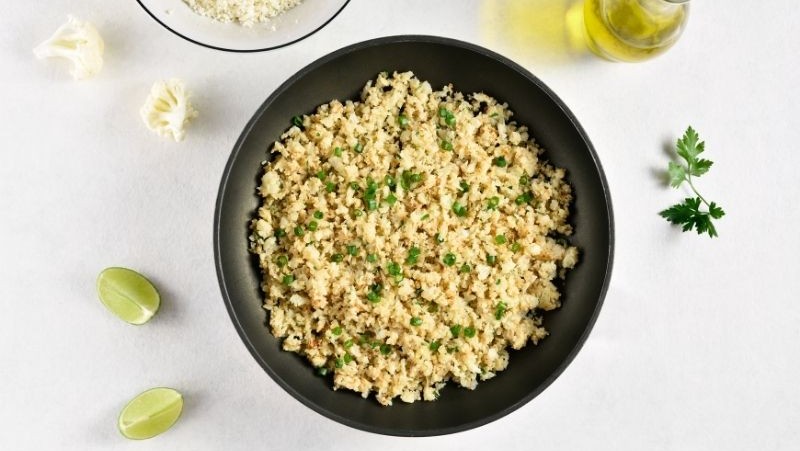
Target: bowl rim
225,49
428,39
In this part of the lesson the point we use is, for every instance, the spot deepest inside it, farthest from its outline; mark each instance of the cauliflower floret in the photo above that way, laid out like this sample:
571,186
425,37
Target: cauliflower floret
167,110
78,42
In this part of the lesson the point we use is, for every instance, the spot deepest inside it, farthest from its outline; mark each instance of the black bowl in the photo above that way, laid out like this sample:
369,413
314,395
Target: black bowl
341,75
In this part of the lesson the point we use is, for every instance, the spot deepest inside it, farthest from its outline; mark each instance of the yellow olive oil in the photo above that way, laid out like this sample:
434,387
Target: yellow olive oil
633,30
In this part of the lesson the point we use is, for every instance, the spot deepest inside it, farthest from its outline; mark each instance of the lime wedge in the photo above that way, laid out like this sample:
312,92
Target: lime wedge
150,413
128,295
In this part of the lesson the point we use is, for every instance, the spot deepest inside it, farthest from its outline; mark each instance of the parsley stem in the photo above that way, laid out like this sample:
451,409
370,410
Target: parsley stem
691,185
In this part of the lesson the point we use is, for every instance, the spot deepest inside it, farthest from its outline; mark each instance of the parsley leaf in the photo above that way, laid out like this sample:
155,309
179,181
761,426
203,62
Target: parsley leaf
689,213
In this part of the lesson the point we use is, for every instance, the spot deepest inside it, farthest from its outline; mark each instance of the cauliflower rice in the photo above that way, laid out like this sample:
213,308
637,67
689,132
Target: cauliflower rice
246,12
410,238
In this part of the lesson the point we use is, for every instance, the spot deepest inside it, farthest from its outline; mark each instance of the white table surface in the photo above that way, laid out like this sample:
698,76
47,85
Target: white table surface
697,346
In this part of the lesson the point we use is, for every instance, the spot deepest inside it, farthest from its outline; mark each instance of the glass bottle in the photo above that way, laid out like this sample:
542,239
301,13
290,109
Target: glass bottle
633,30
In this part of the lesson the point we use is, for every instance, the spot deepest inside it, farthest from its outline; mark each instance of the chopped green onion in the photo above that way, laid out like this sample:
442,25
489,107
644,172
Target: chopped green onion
330,187
425,217
415,321
373,297
450,120
337,258
318,215
358,147
492,203
288,279
491,259
354,186
352,249
358,213
322,371
397,278
434,346
459,209
497,282
500,310
372,258
390,182
391,199
455,330
469,332
338,363
337,151
322,175
500,239
443,112
297,121
312,226
337,330
386,349
402,121
439,238
372,204
348,358
500,162
433,308
280,233
463,187
298,231
516,247
465,268
449,259
348,344
281,261
524,180
446,145
377,287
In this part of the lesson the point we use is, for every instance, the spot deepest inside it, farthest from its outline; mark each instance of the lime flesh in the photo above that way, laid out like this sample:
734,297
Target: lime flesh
128,294
150,413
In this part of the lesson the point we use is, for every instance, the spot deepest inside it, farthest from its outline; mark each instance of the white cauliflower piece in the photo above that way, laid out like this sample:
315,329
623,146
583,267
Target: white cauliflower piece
167,110
78,42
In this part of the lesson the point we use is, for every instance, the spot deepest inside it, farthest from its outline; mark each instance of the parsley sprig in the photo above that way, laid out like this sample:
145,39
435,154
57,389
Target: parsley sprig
690,213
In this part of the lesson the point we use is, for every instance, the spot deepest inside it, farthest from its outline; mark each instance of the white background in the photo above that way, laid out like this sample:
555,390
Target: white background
696,347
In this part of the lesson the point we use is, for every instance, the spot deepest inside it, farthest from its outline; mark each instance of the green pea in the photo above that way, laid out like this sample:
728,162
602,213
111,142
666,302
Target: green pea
330,187
312,226
297,121
288,279
337,151
358,147
391,199
492,203
348,344
337,330
465,268
372,258
415,321
446,145
500,162
338,363
322,371
455,330
386,349
337,258
348,358
500,239
322,175
459,209
393,269
449,259
434,346
298,231
469,332
439,238
516,247
281,261
318,215
373,297
352,249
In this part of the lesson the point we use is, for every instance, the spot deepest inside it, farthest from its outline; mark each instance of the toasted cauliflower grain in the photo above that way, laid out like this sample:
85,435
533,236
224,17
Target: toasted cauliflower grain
362,186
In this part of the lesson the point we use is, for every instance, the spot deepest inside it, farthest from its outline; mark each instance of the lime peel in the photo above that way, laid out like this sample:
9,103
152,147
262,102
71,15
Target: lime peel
150,413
